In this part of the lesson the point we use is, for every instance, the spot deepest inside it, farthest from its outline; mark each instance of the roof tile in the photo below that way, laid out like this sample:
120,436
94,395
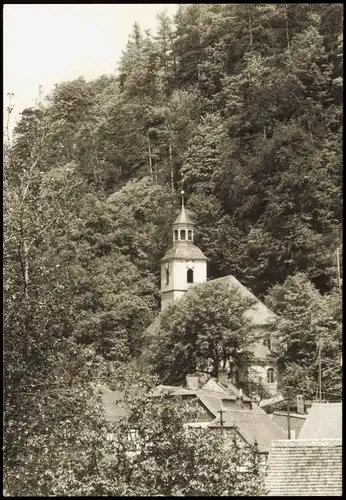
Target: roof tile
305,468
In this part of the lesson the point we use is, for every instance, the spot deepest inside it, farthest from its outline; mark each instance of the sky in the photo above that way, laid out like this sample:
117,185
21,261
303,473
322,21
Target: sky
46,44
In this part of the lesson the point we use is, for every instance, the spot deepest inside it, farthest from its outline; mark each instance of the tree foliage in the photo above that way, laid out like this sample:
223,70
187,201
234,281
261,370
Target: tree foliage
205,332
306,319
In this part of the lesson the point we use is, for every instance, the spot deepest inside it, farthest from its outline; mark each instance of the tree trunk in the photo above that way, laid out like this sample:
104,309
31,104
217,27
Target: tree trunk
26,269
287,34
250,30
171,164
150,160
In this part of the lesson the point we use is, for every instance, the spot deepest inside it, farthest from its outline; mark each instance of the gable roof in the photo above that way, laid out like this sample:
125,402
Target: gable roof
259,314
211,399
114,409
324,421
212,384
305,468
253,426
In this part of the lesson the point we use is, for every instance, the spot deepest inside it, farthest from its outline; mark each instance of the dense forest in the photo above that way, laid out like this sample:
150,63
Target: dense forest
240,103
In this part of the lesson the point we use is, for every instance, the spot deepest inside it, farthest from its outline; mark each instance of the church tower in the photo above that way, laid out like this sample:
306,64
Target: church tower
184,264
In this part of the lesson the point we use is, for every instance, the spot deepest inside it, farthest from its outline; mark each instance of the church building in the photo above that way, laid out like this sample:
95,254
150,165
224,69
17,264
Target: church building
183,266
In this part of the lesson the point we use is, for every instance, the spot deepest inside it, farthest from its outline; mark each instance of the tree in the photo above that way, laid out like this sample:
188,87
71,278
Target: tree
168,458
254,387
54,433
306,319
204,331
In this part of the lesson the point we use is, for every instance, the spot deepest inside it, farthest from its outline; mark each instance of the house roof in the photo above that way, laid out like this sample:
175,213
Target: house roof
112,403
324,421
172,390
278,398
302,416
305,468
230,389
215,395
212,400
253,425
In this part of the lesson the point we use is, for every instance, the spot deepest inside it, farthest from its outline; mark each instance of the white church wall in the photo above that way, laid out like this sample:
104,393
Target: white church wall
261,372
180,273
177,278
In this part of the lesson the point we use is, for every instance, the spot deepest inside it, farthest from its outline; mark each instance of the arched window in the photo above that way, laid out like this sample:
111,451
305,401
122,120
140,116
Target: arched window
189,235
183,234
167,276
176,235
189,276
270,376
267,343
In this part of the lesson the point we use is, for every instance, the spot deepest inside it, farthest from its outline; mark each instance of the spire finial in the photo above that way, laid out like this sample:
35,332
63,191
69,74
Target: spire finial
182,192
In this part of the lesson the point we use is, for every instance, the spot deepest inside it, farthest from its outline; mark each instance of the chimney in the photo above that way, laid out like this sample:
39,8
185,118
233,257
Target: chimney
300,404
239,400
192,382
222,377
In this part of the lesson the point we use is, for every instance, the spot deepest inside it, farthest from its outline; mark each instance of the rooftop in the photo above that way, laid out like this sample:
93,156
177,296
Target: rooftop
219,391
210,399
305,468
324,421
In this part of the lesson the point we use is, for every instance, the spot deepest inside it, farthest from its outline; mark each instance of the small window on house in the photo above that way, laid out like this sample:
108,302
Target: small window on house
270,376
189,276
183,234
176,235
189,235
167,276
267,343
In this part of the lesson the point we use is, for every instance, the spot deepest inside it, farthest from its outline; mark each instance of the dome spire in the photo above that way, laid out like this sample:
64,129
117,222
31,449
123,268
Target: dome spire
183,218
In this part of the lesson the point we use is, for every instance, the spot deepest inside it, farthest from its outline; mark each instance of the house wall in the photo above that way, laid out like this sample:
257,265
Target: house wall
203,414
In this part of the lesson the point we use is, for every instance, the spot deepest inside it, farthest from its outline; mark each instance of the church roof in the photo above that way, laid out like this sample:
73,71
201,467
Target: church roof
183,218
184,250
259,314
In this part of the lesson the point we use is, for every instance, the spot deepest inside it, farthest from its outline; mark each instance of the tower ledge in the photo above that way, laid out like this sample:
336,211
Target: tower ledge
186,250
